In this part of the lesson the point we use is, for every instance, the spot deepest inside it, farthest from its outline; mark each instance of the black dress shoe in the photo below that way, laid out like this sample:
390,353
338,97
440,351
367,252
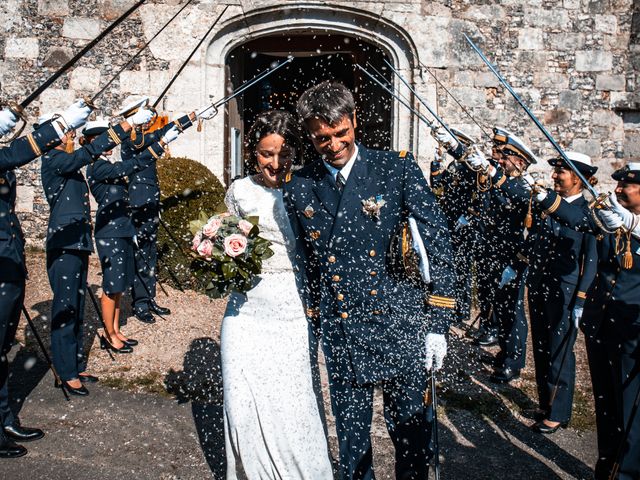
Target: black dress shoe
542,427
157,309
504,375
106,345
86,378
10,449
80,391
23,434
131,342
145,316
487,340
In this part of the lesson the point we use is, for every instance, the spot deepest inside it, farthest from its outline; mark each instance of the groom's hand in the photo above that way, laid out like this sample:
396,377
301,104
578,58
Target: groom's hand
436,346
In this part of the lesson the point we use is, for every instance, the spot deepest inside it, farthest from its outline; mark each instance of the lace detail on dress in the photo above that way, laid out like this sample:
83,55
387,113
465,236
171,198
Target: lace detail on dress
246,198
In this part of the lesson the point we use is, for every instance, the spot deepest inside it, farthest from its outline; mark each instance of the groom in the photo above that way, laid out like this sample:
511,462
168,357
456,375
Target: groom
345,208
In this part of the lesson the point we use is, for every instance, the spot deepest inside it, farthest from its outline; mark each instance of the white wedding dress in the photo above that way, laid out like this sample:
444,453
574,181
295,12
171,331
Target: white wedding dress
273,413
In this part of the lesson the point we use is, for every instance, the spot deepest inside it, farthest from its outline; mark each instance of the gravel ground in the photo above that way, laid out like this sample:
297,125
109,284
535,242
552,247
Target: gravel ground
483,428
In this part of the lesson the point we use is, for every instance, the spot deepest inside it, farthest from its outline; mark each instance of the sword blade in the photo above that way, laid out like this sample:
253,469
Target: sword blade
251,82
79,55
535,120
126,65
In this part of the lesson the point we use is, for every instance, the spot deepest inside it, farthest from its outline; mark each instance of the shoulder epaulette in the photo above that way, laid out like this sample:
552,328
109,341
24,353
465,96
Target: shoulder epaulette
403,153
287,179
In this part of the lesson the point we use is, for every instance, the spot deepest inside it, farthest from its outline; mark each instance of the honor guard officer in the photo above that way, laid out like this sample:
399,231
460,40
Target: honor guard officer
506,245
562,266
115,233
611,319
69,245
13,270
345,208
455,187
144,199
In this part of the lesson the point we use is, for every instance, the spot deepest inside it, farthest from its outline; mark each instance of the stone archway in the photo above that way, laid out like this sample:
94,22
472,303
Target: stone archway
296,20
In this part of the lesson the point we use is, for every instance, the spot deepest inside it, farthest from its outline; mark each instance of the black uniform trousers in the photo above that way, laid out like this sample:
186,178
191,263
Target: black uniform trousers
614,363
408,421
146,221
553,337
512,324
67,271
11,300
488,273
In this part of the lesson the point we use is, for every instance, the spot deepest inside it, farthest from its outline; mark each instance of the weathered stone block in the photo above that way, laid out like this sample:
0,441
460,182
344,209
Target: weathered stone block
21,48
570,99
593,61
590,147
485,79
606,24
112,9
24,198
472,97
53,8
54,99
57,57
81,28
530,39
134,82
87,79
571,4
606,118
565,41
557,81
539,17
557,116
610,82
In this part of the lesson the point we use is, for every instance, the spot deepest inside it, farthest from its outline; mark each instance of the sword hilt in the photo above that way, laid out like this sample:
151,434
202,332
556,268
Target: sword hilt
601,201
18,111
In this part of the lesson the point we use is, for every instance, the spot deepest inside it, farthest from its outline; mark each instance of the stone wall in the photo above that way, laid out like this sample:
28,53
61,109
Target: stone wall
574,62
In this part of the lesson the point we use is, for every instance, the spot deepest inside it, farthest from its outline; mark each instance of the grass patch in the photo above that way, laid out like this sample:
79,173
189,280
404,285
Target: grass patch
583,418
152,382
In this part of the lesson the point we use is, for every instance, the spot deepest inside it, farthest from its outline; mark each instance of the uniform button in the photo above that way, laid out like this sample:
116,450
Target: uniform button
332,259
373,273
613,282
344,315
14,235
340,297
372,253
336,278
373,292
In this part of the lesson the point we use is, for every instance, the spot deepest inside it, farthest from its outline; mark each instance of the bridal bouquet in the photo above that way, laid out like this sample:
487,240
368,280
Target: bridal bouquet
227,252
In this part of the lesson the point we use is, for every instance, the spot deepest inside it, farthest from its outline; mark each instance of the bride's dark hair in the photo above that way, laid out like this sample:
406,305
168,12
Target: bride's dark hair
279,122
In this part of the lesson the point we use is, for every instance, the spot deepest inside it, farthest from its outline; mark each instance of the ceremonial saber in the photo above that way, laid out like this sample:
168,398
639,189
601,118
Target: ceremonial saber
44,352
139,52
464,109
565,343
627,430
193,52
423,102
566,159
436,445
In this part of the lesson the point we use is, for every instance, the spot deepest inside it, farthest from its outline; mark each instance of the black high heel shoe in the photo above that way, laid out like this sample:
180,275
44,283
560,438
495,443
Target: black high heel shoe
86,378
81,391
105,345
542,427
130,341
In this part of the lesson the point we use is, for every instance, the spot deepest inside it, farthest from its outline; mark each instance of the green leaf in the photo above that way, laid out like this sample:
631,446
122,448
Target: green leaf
254,220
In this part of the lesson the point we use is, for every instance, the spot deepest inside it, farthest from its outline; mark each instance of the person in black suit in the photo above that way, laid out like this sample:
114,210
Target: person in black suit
562,266
69,245
13,271
114,232
611,319
345,208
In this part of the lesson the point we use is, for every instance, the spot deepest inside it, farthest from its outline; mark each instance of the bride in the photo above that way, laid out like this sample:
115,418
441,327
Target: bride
273,413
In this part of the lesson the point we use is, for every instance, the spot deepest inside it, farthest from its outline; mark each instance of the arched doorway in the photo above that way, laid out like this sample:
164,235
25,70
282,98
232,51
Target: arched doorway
315,58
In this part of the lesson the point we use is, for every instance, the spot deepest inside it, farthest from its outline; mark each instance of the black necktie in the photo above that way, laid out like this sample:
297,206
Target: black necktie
340,181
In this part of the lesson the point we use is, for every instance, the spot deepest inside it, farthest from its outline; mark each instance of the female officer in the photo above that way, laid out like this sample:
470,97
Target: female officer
115,233
69,244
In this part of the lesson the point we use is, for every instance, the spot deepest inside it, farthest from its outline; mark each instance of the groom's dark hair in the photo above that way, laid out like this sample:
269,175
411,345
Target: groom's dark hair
329,101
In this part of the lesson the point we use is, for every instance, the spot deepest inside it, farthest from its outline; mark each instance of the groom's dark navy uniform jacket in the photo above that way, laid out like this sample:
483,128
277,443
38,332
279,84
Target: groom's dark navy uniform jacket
373,326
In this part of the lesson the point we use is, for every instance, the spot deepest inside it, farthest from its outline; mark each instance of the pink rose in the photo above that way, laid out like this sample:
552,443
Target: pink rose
212,227
235,244
195,243
245,226
205,248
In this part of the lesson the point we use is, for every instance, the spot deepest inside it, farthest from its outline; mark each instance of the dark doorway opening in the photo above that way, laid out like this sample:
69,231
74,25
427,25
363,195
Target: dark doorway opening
316,58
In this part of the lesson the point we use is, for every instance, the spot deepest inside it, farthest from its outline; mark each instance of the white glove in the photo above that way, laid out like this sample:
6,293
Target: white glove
610,219
528,181
76,115
477,159
444,138
437,158
170,135
576,316
436,346
507,276
628,218
8,120
142,116
206,113
540,193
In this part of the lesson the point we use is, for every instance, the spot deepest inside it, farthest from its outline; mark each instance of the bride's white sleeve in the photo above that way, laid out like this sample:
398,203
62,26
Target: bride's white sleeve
231,202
